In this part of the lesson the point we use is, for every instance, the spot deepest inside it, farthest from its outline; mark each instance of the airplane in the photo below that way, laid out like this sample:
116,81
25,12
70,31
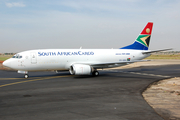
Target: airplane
82,61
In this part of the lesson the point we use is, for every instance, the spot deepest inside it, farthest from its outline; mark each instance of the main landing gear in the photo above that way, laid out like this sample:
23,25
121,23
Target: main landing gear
26,76
95,73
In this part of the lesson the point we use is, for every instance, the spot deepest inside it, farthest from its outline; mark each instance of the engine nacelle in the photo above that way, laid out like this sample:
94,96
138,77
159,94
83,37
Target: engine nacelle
80,69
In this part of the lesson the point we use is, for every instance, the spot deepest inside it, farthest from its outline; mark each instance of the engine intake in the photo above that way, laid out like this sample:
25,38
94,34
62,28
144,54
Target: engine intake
80,69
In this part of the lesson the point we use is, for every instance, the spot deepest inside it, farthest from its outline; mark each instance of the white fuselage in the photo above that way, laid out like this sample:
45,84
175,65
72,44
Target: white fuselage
62,59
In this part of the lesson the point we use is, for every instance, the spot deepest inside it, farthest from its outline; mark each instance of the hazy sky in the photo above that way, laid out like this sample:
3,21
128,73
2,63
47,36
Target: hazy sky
36,24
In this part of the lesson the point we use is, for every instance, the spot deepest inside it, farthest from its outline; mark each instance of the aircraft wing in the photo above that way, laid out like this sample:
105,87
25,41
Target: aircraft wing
111,64
152,51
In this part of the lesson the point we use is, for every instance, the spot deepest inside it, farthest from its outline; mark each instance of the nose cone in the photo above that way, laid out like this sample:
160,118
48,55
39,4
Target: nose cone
6,63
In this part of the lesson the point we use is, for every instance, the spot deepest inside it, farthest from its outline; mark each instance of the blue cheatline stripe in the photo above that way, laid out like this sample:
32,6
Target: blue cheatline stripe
136,46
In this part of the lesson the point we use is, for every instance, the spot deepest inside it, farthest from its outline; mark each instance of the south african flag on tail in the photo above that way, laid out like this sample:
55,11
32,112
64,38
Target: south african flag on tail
143,40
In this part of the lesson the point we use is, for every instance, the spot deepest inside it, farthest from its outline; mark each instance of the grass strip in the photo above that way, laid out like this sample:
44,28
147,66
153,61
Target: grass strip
175,57
5,57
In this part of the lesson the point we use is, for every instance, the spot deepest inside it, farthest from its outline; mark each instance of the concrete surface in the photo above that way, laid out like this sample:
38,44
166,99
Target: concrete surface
113,95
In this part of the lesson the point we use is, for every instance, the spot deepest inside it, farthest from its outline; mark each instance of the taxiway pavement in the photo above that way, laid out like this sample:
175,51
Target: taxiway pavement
116,94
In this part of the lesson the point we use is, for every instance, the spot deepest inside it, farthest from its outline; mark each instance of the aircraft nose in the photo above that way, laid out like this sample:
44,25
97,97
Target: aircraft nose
6,63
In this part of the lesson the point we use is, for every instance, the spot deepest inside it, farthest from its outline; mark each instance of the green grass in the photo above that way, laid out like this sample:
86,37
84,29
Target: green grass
5,57
177,56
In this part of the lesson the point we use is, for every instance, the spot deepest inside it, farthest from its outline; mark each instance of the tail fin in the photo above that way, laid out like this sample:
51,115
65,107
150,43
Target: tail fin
143,40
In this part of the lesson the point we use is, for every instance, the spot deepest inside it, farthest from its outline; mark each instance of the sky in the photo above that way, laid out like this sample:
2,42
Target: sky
104,24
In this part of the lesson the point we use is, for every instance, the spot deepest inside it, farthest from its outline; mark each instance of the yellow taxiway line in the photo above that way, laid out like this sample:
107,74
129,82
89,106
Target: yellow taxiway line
44,78
11,78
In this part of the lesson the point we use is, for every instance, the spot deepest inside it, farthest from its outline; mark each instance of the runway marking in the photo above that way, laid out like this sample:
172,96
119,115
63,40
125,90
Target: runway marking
18,78
139,73
31,80
11,78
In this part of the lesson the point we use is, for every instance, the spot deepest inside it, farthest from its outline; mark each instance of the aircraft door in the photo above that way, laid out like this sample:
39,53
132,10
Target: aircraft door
33,58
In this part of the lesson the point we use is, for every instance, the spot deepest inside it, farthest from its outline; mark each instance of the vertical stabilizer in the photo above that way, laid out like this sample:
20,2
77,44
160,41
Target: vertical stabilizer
143,40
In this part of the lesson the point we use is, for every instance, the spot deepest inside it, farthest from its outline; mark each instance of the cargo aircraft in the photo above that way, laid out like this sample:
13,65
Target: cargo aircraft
82,61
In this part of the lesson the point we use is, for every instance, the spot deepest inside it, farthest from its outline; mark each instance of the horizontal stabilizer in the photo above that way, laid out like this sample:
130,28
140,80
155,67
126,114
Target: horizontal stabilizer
152,51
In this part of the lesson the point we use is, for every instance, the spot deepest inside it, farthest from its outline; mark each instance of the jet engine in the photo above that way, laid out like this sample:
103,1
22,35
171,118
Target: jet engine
80,69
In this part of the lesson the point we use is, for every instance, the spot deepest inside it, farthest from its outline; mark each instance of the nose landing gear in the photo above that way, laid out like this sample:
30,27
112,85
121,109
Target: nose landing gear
24,72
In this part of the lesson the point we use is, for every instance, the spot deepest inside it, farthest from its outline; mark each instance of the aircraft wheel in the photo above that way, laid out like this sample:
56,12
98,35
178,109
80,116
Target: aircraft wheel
26,76
95,73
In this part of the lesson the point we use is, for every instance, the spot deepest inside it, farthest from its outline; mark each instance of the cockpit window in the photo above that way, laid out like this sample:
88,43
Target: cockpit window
17,56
